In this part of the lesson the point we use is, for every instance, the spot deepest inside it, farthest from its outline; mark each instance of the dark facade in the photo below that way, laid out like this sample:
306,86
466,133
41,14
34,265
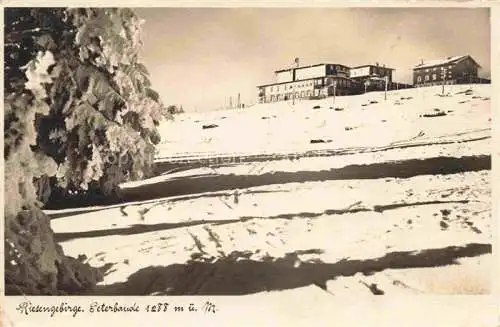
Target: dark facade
342,86
373,76
452,70
337,70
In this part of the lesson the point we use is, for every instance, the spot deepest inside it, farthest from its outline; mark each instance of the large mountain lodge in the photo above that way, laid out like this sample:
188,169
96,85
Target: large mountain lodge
325,79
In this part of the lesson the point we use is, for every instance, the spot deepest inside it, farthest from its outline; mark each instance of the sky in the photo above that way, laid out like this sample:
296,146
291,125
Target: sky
200,57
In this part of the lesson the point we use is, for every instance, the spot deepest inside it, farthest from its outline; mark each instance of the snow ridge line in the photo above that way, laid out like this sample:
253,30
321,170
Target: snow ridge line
353,208
222,159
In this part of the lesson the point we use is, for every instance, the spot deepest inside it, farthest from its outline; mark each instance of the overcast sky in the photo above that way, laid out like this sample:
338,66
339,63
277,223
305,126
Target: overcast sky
199,57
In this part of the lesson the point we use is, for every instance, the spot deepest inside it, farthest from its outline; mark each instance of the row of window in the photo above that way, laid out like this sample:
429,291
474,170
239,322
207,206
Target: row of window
297,95
340,82
339,68
428,77
450,82
290,86
288,96
437,68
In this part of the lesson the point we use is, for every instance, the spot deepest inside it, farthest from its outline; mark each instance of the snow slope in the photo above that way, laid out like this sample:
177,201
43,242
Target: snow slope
395,205
289,128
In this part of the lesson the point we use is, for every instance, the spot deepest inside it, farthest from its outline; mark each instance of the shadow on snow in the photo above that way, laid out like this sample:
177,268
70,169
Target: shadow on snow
394,169
236,274
146,228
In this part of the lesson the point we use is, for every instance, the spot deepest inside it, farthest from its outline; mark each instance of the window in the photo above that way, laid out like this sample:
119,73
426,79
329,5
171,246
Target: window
426,78
434,77
427,70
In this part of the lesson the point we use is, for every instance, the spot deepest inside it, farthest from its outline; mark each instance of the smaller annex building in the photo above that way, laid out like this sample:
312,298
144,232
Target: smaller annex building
451,70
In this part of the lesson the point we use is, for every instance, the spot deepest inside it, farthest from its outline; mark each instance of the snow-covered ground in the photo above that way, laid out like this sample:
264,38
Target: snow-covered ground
392,202
283,127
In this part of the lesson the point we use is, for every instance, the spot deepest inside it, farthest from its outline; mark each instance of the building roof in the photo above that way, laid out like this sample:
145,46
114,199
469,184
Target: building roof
309,66
286,69
440,62
372,66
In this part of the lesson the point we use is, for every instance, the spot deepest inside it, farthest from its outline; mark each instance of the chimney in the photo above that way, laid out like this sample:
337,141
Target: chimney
376,64
421,61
